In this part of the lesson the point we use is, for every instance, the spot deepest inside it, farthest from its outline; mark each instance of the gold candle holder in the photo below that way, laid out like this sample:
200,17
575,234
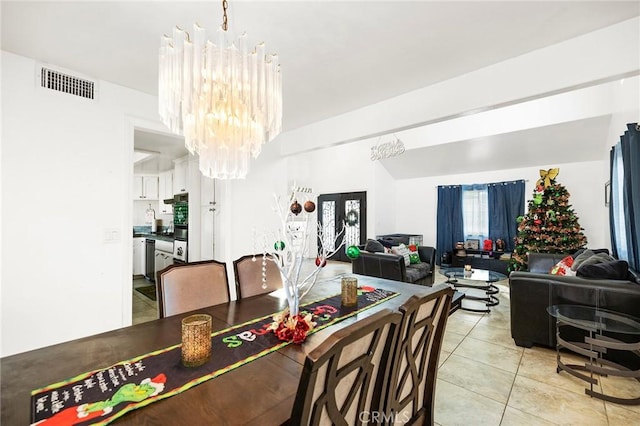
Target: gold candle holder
196,340
349,291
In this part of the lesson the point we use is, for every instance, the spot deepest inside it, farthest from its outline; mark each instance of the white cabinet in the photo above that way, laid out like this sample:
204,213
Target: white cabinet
180,183
166,191
139,253
145,188
162,260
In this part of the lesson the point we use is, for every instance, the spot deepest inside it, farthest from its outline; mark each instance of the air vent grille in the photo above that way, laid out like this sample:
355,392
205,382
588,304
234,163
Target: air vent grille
55,80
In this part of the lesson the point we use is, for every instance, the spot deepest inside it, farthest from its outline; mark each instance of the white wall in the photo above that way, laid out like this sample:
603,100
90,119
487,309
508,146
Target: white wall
344,168
66,173
244,209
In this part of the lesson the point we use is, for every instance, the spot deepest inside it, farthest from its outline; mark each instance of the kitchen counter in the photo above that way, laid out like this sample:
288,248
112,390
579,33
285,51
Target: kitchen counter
151,236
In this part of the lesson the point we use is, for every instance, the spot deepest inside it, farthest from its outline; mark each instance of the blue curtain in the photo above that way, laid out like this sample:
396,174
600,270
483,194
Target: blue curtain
506,203
624,209
450,226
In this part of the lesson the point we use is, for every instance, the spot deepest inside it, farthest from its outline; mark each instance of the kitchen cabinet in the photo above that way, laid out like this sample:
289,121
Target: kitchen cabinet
165,182
139,256
162,260
180,175
145,187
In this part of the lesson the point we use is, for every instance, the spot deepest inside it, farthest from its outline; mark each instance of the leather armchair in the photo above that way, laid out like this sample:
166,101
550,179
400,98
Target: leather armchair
532,292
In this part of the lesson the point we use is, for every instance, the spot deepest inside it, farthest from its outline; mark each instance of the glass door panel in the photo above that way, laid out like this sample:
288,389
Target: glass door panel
348,210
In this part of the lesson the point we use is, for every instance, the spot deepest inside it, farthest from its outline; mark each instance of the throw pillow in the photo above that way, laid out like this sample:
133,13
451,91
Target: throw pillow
581,256
374,246
596,258
413,247
403,251
613,270
563,267
414,258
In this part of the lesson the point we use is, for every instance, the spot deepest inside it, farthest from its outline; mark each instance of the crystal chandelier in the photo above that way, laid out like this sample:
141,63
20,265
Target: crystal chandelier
224,99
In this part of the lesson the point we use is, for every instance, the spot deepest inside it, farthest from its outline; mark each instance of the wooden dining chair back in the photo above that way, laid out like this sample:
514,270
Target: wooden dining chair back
415,362
344,379
186,287
248,274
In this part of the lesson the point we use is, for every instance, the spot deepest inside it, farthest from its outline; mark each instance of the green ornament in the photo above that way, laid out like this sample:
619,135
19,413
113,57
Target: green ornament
278,245
353,252
519,219
537,199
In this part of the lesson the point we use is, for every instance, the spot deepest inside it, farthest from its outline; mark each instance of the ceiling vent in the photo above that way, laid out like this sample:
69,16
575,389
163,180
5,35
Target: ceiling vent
66,83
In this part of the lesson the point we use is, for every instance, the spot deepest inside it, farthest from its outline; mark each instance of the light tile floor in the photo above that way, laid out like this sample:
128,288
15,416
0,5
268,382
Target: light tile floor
144,309
485,379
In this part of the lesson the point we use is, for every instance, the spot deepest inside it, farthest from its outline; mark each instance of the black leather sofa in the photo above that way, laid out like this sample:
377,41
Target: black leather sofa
533,291
392,266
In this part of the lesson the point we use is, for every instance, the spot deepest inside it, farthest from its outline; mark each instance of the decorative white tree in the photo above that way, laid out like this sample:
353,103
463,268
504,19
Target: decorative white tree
290,245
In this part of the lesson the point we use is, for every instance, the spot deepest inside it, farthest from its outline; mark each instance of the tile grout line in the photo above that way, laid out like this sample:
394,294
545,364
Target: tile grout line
515,376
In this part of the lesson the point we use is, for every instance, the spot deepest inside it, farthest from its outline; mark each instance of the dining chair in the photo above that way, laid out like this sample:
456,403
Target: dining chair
411,394
344,379
248,273
189,286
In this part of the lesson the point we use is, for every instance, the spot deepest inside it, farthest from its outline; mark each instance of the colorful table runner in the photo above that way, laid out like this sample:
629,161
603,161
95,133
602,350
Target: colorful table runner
101,396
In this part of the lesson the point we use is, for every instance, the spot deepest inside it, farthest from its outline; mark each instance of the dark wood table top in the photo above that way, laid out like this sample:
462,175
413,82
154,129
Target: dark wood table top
261,392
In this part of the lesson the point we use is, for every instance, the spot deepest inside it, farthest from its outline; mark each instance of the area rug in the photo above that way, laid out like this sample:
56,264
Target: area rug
149,291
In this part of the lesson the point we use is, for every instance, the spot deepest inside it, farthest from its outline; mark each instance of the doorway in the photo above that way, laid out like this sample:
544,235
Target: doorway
348,210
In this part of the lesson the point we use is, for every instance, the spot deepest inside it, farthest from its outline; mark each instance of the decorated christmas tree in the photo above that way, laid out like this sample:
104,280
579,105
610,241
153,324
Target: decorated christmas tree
550,225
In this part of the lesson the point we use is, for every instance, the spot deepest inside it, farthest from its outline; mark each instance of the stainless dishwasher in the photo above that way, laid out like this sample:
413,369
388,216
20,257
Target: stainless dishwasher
150,253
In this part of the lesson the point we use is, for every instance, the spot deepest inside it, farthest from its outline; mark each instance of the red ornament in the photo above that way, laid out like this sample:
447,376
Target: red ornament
321,262
295,208
309,206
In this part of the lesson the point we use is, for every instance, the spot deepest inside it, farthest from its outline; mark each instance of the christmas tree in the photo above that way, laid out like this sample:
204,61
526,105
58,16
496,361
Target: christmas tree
550,225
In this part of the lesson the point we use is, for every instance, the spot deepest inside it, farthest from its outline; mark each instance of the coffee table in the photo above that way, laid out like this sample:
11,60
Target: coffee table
598,322
476,279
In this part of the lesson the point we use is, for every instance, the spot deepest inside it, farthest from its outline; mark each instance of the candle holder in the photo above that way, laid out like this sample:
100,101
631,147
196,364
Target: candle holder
196,340
349,291
467,271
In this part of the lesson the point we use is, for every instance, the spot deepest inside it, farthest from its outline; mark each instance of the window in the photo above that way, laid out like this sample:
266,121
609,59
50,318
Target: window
475,211
617,210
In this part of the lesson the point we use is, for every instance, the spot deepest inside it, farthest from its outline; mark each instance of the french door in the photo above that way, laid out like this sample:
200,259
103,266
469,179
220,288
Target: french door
348,210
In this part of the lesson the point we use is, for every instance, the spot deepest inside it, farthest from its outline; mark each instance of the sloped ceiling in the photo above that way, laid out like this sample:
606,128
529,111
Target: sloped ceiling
575,141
